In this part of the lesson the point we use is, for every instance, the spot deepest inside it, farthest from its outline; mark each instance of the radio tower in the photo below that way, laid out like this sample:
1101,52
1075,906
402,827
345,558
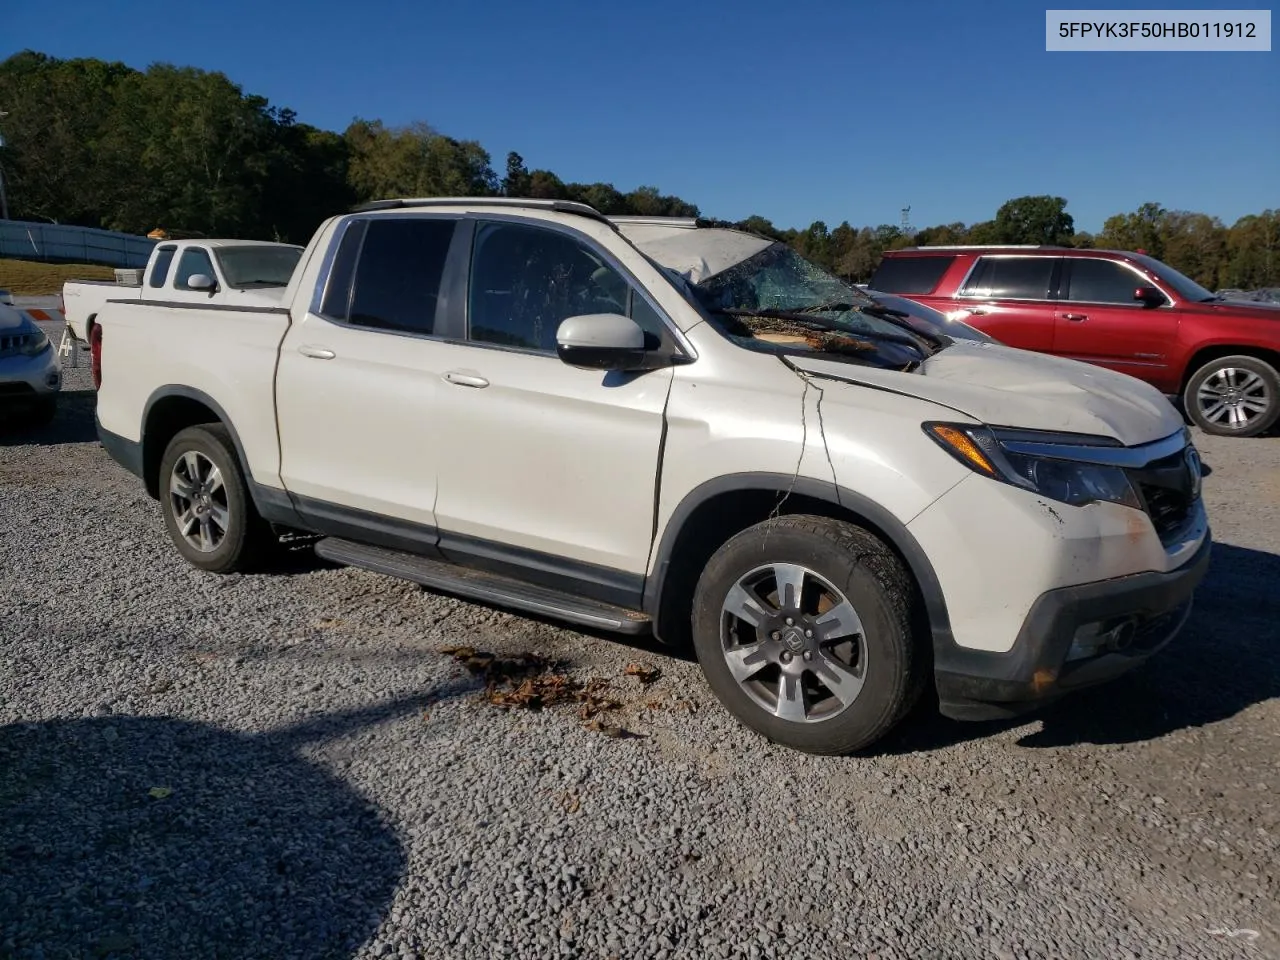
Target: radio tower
906,221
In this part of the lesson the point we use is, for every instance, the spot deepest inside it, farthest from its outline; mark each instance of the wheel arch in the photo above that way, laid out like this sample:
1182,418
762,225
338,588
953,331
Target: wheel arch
171,409
720,508
1216,351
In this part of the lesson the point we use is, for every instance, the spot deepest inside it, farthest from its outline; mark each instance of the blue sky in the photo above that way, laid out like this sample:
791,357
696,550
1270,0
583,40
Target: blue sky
795,110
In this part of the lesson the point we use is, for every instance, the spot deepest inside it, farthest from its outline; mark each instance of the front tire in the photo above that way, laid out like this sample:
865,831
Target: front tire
207,509
1236,396
802,626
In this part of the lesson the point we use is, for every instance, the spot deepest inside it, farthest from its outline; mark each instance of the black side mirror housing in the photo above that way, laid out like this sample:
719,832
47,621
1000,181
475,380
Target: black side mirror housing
1149,297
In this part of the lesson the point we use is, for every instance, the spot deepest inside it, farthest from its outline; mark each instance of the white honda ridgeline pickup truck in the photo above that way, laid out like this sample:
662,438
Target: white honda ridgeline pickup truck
645,424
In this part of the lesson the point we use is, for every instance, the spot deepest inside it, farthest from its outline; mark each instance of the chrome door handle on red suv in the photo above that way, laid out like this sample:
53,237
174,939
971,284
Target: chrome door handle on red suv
1075,317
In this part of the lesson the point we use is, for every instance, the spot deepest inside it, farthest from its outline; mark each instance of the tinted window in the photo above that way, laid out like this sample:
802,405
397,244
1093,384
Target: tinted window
1101,281
397,280
909,274
526,280
1011,278
193,260
337,293
160,269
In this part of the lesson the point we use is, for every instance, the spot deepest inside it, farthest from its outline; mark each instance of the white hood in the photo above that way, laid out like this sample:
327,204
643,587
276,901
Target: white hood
1002,386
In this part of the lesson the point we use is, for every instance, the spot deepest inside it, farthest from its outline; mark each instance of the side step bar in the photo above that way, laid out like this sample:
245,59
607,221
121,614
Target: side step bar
490,588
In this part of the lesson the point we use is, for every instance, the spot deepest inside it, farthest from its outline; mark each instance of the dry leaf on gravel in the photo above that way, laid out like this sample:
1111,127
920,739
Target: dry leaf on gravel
609,730
646,675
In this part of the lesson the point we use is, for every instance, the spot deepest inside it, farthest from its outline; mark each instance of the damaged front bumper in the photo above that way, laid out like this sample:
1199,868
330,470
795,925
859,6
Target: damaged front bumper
1073,637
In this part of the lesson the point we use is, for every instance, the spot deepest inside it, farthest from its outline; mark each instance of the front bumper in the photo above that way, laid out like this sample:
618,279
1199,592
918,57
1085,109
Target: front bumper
983,685
29,380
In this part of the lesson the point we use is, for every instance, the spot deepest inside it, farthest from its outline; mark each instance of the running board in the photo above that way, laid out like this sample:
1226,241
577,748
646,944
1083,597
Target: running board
483,586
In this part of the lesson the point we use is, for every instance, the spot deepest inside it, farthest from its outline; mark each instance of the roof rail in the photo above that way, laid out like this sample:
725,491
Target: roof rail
988,246
657,221
560,206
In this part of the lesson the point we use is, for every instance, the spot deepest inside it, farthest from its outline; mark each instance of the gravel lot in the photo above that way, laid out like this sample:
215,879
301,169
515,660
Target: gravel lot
284,766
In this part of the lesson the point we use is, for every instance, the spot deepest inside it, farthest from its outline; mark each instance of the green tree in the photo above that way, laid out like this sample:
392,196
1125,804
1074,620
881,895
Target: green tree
1140,230
516,183
1034,219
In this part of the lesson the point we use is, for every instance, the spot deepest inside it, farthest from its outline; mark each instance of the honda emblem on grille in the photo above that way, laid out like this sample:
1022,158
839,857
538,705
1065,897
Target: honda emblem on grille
1193,468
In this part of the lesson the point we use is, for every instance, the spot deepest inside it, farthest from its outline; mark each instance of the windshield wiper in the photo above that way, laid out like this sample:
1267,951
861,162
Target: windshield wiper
804,319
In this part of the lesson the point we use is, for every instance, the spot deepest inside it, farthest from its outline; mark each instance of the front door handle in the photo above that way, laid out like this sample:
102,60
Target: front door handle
977,312
318,353
466,379
1075,317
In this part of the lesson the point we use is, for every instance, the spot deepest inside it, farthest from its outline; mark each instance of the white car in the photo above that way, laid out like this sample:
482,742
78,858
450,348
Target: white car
30,374
644,424
211,272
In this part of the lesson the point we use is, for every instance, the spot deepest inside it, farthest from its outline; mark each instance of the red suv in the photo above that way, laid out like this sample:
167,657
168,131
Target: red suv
1126,311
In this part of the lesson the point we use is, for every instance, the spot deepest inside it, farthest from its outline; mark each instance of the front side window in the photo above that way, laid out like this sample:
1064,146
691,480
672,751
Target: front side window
1011,278
254,266
194,260
397,277
526,281
160,268
1101,281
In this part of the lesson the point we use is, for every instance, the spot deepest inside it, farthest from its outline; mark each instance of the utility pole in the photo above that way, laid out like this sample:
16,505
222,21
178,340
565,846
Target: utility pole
906,221
4,200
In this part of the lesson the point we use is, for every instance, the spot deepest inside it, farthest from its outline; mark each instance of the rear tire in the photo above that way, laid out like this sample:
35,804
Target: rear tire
1236,396
207,508
828,671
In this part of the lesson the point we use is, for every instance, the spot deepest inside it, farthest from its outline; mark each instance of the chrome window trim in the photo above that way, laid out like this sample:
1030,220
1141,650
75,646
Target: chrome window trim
1131,458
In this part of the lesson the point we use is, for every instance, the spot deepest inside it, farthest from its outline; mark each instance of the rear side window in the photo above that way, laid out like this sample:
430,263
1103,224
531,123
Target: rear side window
1011,278
193,260
909,274
397,276
1101,281
160,268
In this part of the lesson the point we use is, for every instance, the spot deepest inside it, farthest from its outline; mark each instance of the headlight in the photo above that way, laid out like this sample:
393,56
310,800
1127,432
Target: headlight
1067,481
34,344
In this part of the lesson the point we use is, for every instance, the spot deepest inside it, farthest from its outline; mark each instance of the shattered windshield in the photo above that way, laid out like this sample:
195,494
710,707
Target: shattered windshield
748,296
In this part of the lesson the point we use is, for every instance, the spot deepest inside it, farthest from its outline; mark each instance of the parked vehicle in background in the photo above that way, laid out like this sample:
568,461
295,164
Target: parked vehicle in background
242,272
648,424
1125,311
30,375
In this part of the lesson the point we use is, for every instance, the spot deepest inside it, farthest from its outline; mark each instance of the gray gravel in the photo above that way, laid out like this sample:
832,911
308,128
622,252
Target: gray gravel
330,785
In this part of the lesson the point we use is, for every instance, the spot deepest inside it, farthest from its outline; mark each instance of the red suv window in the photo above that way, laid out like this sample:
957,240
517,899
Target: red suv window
1011,278
909,274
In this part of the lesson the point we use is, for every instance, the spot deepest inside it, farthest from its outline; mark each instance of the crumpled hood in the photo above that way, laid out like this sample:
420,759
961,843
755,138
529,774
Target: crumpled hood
1003,386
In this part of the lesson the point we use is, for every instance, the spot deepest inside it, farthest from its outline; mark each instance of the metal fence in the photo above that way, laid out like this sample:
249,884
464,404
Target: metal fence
55,243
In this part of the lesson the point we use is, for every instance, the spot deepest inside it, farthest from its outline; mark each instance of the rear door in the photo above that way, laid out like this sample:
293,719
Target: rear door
359,381
1098,321
1010,297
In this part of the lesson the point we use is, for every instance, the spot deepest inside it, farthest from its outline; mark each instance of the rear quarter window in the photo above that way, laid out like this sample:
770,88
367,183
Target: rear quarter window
909,274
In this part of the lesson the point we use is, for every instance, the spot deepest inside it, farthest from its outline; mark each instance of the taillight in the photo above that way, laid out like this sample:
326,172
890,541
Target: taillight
95,355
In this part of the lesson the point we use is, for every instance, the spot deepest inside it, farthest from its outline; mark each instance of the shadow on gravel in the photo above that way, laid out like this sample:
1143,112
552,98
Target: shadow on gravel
1226,660
131,837
73,423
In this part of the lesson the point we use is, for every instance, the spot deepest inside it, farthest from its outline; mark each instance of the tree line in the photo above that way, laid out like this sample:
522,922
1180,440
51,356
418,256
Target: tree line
101,144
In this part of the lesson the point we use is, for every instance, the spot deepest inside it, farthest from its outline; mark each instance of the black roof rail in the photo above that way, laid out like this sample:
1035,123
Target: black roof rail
560,206
989,246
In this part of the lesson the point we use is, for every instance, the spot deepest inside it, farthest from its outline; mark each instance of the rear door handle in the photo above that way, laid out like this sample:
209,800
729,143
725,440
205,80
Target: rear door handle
466,379
977,312
318,353
1075,317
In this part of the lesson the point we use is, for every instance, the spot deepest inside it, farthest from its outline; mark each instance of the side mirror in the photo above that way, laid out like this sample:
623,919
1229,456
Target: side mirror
201,281
1149,297
601,341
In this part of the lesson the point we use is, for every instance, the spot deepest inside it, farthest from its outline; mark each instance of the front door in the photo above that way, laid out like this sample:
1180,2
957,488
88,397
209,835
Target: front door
1098,321
544,468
